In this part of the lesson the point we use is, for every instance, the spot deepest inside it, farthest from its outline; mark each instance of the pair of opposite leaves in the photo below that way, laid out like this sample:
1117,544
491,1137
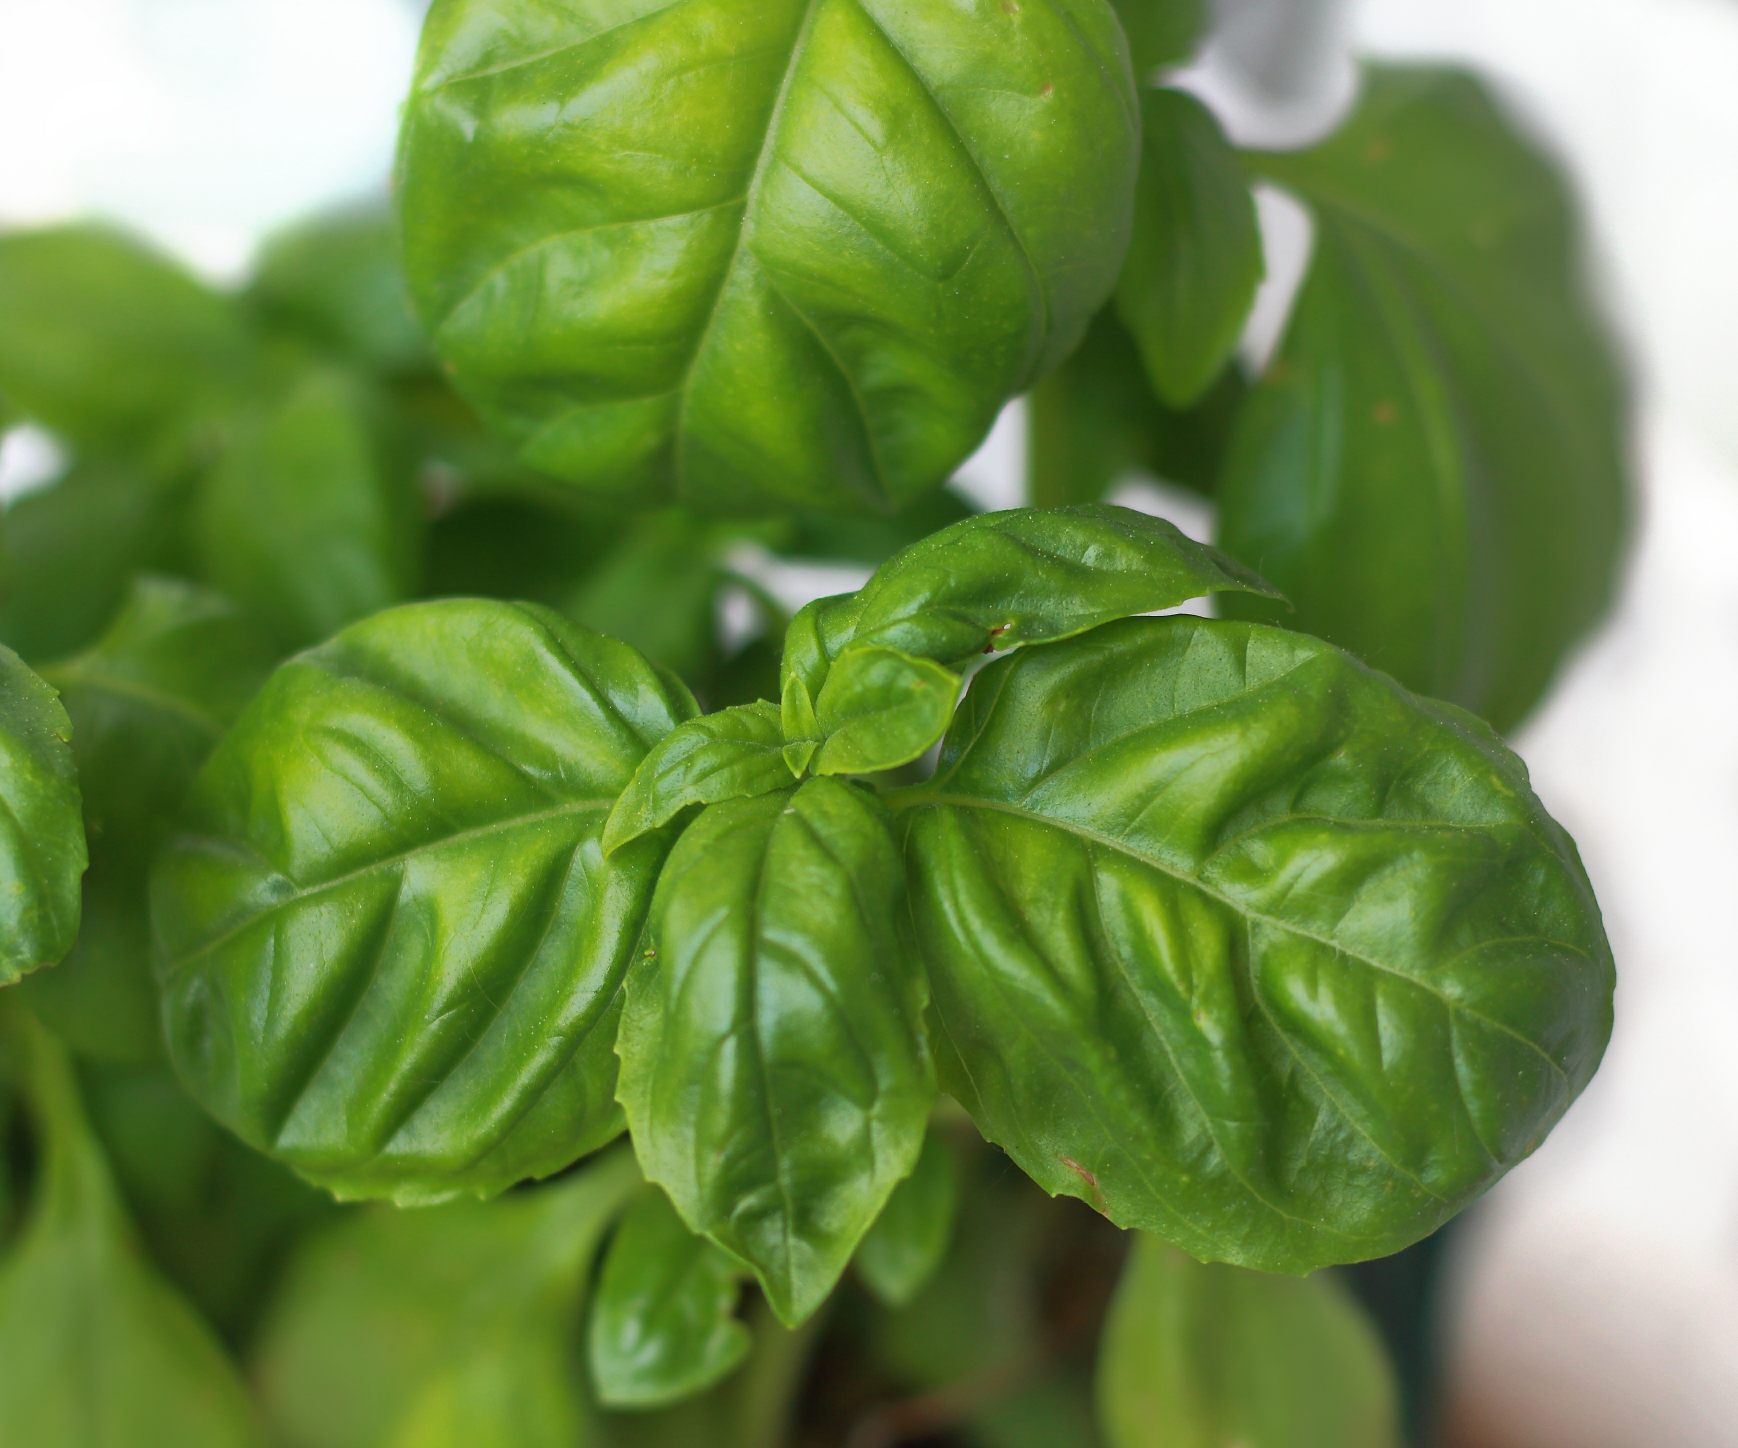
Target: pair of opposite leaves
1203,922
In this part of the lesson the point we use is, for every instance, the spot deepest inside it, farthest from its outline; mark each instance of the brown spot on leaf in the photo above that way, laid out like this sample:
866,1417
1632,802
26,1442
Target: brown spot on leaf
1048,91
1098,1202
1386,414
995,634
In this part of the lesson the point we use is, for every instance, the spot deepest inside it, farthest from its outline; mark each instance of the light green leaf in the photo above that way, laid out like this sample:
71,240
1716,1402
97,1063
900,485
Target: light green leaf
867,225
1435,468
457,1325
1248,947
663,1322
391,946
879,709
1195,260
106,342
148,702
95,1351
42,839
733,754
774,1066
307,519
1198,1357
905,1247
1162,33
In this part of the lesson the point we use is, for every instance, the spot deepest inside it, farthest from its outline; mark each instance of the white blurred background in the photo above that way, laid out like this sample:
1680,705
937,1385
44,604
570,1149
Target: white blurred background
1596,1291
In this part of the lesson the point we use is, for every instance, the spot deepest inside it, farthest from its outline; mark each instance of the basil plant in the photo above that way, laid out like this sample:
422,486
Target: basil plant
386,820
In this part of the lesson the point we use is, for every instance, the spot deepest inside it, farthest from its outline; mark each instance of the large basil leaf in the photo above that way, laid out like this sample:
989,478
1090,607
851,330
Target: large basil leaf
1247,946
147,703
1195,259
391,946
412,1330
663,1324
106,342
1198,1357
788,253
1435,467
42,839
906,1245
94,1348
308,519
774,1067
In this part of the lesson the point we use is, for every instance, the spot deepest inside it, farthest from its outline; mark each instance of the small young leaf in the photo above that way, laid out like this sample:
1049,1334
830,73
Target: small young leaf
391,946
1195,260
306,519
1198,1357
108,343
42,839
879,709
733,754
1245,945
909,1239
1162,33
1434,468
94,1348
663,1320
774,1066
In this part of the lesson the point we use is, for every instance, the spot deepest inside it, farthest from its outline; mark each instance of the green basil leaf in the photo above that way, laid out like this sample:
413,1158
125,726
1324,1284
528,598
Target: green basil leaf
1198,1357
147,702
867,226
391,946
306,519
905,1247
733,754
663,1321
400,1328
74,549
1435,467
1242,943
1162,33
879,709
94,1348
1195,260
337,280
107,342
42,839
774,1067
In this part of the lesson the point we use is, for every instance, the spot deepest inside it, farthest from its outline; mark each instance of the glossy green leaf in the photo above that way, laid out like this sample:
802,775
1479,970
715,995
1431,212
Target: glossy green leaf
1435,467
879,709
1240,942
663,1322
391,946
337,280
408,1328
308,520
105,341
1199,1357
864,225
905,1247
95,1350
1195,260
733,754
774,1066
42,839
148,702
1162,32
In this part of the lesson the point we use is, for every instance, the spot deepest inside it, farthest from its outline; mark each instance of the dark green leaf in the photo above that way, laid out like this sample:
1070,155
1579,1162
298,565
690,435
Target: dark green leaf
307,519
106,342
1247,946
42,840
906,1245
733,754
1162,33
774,1066
1195,260
864,227
874,540
452,1326
1198,1357
337,279
94,1348
1435,468
663,1323
391,944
